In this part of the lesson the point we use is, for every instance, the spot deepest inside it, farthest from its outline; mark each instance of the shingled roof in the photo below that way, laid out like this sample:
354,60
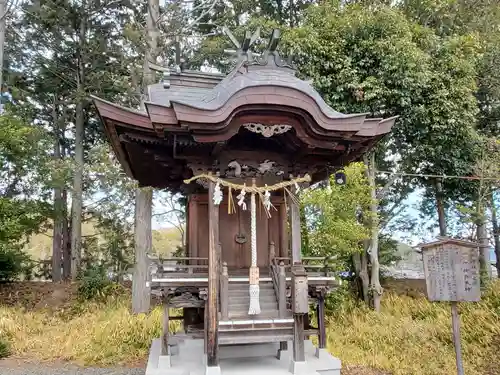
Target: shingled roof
210,108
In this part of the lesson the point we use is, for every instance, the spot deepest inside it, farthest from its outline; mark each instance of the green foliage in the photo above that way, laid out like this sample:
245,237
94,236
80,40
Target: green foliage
373,59
343,299
23,161
13,263
4,347
93,283
332,213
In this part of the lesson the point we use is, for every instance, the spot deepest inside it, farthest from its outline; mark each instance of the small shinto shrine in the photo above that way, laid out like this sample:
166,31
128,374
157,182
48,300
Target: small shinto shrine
240,147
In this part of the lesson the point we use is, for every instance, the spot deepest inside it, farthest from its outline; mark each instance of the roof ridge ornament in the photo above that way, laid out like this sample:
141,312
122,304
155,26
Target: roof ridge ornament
248,57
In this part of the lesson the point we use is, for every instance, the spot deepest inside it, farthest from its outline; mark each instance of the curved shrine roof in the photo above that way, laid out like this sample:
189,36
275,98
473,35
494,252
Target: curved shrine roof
201,112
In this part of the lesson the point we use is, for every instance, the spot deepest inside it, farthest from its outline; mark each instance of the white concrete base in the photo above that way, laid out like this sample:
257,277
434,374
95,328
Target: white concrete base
212,370
164,361
248,359
321,353
301,368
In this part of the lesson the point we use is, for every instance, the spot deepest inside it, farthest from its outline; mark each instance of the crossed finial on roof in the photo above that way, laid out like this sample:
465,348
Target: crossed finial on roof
245,54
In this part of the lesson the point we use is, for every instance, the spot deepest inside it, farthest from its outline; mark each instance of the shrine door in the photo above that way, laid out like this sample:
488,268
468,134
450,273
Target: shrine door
234,233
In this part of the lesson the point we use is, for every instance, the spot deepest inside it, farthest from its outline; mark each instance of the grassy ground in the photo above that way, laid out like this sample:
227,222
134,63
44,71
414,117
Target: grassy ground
410,336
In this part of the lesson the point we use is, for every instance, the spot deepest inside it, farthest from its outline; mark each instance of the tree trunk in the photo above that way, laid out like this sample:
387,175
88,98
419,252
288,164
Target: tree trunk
484,251
365,277
438,188
143,244
144,197
356,260
375,287
58,206
482,236
66,240
77,194
496,232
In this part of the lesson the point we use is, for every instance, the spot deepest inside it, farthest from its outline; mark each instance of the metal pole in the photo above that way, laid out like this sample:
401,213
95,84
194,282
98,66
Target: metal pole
455,322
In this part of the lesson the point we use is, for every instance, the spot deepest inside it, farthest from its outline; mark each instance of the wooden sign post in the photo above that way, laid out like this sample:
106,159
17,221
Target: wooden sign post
451,269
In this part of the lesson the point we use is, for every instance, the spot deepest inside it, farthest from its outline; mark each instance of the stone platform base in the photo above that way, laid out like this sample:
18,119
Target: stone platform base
188,358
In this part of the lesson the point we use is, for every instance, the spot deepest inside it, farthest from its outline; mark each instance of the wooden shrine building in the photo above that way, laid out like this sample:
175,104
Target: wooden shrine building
239,147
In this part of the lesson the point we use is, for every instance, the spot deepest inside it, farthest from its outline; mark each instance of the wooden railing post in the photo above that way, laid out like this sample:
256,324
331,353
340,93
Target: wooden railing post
166,320
282,290
272,252
321,322
224,293
300,309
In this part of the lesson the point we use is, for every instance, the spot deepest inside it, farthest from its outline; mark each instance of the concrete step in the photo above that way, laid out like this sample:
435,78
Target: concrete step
262,286
278,330
243,314
268,297
264,306
246,293
255,337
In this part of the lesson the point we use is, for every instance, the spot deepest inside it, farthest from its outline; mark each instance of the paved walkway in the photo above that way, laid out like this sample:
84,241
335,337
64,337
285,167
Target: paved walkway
19,367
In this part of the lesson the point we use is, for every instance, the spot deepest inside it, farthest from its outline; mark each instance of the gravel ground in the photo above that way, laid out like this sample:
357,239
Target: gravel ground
19,367
24,367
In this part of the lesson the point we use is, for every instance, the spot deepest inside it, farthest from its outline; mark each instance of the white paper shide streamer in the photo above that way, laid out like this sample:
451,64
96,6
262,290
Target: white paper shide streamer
254,308
217,194
241,200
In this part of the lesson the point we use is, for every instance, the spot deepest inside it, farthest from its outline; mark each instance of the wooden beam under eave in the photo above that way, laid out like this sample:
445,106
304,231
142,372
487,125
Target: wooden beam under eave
213,270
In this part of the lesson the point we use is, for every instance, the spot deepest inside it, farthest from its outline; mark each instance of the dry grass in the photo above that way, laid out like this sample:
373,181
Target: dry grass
410,336
413,336
93,334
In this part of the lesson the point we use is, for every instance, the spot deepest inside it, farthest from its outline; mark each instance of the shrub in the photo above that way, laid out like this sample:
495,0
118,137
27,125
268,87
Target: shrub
13,263
92,283
4,348
95,284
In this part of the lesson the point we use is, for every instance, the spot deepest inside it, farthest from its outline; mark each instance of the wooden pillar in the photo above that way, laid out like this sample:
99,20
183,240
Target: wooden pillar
166,320
298,338
300,309
282,291
321,322
224,293
192,229
272,252
283,250
205,326
213,275
295,228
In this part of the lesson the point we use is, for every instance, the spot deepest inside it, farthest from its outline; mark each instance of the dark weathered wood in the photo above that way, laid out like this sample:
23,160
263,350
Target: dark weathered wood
205,327
298,338
321,322
283,346
224,293
213,249
185,300
295,228
272,252
283,232
282,290
192,229
166,320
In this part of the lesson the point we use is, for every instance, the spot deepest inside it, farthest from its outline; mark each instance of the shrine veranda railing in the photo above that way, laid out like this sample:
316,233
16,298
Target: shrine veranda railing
179,272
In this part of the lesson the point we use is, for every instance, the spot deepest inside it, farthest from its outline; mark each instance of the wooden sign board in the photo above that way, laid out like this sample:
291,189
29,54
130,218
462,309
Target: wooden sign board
451,269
